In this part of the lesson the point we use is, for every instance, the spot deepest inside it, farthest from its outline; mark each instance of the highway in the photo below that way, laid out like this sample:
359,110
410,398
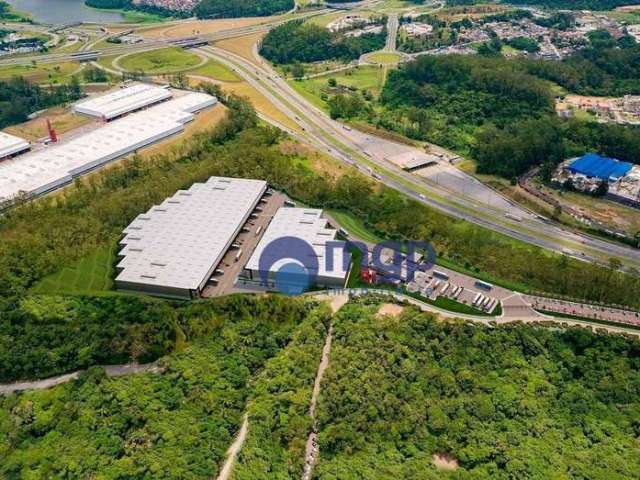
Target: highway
153,44
367,153
361,150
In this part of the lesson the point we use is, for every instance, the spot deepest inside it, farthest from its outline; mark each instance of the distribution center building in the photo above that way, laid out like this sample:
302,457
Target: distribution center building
302,236
56,165
11,145
123,101
174,248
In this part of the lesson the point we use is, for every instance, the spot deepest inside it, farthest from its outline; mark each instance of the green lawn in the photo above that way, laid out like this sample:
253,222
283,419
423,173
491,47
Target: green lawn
43,74
217,71
90,274
362,78
160,62
354,226
384,58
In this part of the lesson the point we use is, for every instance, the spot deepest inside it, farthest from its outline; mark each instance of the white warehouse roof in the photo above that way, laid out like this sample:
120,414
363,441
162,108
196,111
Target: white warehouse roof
52,167
123,101
306,224
10,145
178,244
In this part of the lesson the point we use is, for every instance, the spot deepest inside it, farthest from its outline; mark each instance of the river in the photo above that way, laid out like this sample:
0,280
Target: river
64,11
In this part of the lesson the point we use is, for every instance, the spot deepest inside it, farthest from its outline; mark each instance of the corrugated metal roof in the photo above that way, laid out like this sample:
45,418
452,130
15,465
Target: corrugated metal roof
595,166
177,243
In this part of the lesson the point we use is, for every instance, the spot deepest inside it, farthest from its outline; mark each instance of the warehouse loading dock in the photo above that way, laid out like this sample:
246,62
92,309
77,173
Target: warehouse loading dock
175,248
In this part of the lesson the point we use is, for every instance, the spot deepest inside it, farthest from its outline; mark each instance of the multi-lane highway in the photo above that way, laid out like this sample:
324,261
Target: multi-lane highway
363,151
155,43
369,153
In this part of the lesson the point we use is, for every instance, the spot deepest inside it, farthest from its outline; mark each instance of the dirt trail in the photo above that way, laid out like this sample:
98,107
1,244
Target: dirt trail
234,449
311,453
110,370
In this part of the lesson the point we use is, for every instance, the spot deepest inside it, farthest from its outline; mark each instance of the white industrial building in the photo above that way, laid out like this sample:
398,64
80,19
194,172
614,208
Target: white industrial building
11,145
280,241
123,101
56,165
173,249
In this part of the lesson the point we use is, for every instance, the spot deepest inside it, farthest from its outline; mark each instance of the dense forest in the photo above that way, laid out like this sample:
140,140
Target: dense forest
278,407
173,425
502,111
305,42
515,401
43,336
510,402
241,8
19,98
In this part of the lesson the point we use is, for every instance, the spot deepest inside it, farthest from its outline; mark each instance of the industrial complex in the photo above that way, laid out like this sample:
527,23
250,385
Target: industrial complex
280,245
52,166
123,101
589,171
173,249
176,249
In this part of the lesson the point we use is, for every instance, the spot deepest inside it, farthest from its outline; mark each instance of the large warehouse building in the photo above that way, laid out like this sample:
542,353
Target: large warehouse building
123,101
174,248
301,236
11,145
54,166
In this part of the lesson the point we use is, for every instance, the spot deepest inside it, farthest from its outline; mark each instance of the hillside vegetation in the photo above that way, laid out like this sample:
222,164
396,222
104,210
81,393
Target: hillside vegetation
19,98
501,112
43,236
503,403
305,42
173,425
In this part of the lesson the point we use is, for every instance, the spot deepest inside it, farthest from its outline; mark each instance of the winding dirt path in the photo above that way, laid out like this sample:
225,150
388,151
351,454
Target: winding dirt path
312,450
110,370
234,449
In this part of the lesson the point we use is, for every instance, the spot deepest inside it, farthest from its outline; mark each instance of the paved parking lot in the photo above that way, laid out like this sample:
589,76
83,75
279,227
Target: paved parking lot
247,241
583,310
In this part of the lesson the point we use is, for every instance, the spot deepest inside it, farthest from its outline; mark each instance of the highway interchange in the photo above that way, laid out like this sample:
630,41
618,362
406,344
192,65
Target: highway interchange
370,154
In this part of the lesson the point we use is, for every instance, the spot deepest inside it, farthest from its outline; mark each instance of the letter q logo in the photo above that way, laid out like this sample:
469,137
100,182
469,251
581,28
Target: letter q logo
291,263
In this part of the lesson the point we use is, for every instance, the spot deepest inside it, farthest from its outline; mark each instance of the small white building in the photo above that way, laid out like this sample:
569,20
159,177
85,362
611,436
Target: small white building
123,101
303,237
173,249
11,145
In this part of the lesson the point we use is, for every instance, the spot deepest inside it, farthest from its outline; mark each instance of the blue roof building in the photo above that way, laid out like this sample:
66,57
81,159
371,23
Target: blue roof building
594,166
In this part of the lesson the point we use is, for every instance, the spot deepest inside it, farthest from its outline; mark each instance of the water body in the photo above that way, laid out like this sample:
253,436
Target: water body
64,11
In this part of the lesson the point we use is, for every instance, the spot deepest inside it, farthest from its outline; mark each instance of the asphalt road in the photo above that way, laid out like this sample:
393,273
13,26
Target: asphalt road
363,151
358,149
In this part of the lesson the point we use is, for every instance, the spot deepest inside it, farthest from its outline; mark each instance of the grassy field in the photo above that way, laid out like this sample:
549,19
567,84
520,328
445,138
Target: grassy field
383,58
217,71
363,78
354,226
160,62
41,73
89,275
